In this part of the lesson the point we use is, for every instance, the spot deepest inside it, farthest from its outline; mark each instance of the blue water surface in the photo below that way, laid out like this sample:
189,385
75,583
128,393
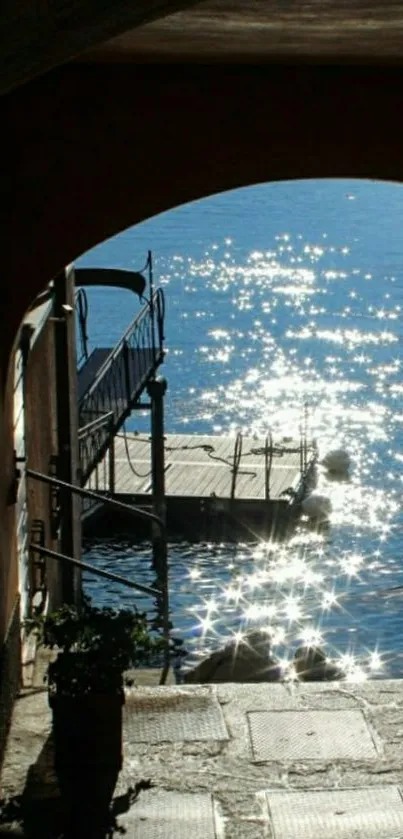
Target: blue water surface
280,295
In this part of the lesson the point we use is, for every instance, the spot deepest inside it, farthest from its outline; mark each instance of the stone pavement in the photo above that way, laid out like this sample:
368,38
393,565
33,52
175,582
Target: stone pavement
233,761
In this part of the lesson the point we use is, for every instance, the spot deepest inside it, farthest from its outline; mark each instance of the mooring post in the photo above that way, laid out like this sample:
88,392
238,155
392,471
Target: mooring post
156,389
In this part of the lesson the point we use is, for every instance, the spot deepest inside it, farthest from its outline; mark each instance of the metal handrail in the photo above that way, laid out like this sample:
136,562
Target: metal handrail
120,380
94,424
137,512
108,575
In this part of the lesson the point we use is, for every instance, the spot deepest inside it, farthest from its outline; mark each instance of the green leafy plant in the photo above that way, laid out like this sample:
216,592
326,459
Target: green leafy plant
95,646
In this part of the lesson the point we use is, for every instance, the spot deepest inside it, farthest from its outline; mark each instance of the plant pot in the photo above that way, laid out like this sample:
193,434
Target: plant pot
87,730
87,734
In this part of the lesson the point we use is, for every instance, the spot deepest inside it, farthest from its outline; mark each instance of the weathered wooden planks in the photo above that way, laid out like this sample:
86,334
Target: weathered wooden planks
201,466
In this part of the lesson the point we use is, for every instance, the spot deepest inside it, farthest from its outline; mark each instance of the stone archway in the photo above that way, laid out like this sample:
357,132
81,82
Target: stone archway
94,149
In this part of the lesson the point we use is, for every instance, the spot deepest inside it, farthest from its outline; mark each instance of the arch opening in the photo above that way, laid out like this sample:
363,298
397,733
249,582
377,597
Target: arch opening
301,305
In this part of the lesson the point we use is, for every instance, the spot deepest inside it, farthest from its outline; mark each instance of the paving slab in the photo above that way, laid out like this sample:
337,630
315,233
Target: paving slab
337,814
223,747
171,815
176,715
310,735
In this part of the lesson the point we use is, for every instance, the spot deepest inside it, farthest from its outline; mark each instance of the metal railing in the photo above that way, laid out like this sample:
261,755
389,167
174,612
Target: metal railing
128,367
305,449
120,382
162,593
92,439
99,572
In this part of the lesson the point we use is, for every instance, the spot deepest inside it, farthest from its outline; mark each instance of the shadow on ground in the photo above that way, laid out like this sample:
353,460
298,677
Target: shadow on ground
85,809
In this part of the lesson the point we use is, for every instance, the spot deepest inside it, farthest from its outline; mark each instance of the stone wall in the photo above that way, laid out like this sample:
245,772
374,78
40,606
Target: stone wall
9,601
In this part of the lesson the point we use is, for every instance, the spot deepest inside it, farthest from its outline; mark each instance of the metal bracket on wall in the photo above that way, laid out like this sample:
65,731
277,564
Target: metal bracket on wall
38,566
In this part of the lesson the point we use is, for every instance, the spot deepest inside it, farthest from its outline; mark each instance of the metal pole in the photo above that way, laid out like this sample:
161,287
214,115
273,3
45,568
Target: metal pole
156,389
306,438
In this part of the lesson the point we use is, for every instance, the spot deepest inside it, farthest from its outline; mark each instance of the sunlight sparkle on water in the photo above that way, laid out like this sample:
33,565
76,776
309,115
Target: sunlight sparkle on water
329,600
259,611
375,661
206,624
293,611
311,637
264,312
232,594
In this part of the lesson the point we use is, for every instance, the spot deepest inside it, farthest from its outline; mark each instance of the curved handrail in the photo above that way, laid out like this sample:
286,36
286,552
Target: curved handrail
81,304
116,277
160,306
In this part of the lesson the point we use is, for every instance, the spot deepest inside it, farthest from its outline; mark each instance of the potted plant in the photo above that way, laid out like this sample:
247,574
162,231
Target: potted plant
85,681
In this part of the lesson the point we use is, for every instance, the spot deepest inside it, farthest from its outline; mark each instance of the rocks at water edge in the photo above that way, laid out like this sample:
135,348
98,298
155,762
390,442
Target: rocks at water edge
247,660
312,665
251,660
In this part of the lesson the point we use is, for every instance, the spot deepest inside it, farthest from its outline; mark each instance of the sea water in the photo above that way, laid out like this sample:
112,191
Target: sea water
277,296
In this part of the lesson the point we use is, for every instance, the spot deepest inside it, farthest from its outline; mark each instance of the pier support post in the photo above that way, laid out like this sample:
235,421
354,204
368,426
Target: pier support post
156,389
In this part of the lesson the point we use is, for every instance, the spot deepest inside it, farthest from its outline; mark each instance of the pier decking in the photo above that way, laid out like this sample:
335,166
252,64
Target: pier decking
212,477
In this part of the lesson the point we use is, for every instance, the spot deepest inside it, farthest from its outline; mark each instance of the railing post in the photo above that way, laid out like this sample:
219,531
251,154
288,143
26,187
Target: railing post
156,389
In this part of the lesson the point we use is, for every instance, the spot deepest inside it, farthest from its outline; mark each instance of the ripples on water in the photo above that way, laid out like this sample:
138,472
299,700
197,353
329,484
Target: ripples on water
252,334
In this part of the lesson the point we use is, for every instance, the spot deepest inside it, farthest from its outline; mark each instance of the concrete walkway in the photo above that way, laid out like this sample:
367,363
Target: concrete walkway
264,761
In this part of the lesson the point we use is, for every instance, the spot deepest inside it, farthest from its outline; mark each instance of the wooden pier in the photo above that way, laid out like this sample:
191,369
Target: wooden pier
215,486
